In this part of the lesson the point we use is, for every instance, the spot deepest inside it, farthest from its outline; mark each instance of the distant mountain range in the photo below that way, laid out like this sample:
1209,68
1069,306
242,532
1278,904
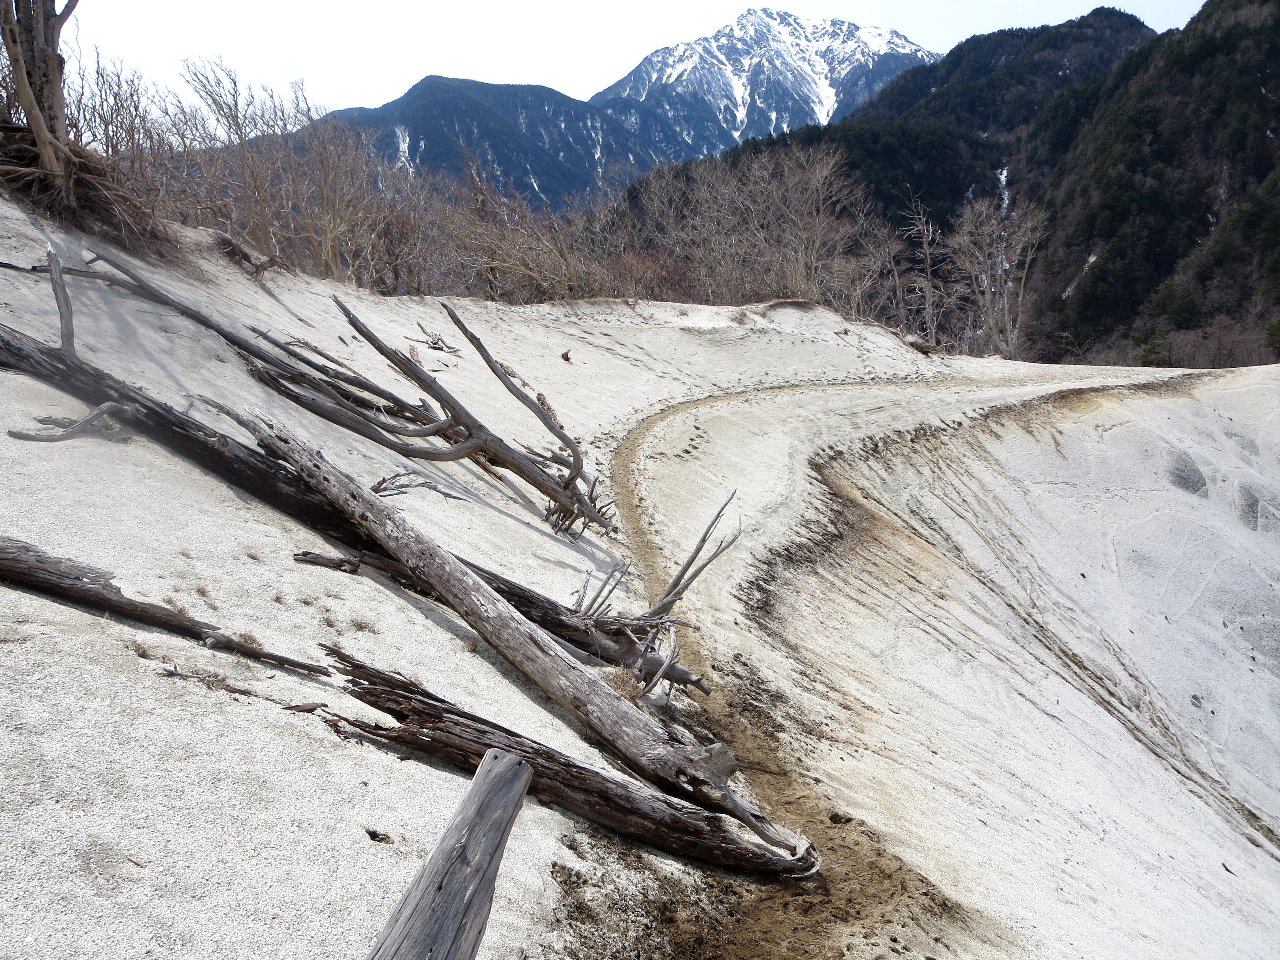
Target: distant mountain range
766,73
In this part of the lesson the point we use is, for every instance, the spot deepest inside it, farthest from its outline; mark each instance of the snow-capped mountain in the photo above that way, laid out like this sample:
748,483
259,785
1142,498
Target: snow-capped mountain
766,73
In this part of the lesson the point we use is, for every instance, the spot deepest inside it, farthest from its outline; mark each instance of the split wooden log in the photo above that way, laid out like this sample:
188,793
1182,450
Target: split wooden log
437,728
28,566
443,913
699,775
63,299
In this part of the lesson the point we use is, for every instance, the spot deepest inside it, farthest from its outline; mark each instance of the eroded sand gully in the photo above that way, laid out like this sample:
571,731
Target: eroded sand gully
983,667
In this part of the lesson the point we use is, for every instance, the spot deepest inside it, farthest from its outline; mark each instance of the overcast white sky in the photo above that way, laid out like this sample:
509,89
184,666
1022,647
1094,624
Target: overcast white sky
352,54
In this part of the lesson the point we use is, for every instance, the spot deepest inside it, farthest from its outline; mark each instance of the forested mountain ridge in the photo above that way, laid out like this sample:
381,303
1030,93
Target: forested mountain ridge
995,83
548,145
942,132
1153,159
1161,180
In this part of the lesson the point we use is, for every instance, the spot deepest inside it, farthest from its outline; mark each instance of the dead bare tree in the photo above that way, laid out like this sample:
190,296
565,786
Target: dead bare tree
39,159
926,290
511,250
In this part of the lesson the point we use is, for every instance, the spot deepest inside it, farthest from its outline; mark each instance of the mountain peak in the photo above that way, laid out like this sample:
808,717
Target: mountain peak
769,72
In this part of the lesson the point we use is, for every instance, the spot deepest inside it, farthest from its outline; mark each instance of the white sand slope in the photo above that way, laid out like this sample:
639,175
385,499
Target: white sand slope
1087,765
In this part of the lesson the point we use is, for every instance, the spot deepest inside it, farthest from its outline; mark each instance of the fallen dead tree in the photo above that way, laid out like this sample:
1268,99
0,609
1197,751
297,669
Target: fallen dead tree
683,769
437,430
435,727
618,640
28,566
678,766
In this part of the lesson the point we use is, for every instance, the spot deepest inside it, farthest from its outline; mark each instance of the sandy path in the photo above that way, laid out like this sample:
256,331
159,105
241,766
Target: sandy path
670,473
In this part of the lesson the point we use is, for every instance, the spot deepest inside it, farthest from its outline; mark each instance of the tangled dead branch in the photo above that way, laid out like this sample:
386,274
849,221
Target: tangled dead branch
437,429
76,428
570,502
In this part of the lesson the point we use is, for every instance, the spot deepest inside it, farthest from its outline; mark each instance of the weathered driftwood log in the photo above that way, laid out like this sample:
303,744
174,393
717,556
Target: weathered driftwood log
28,566
437,728
608,643
700,775
443,913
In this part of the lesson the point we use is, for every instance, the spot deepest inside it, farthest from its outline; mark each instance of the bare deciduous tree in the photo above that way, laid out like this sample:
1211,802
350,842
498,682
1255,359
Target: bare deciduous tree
927,292
992,248
32,31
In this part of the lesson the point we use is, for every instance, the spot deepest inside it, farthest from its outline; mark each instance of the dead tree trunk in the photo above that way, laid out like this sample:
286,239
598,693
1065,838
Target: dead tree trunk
638,739
439,729
32,31
29,566
443,914
603,639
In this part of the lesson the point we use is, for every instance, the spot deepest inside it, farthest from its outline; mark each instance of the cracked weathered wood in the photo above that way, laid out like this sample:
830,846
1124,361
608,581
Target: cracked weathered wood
443,913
